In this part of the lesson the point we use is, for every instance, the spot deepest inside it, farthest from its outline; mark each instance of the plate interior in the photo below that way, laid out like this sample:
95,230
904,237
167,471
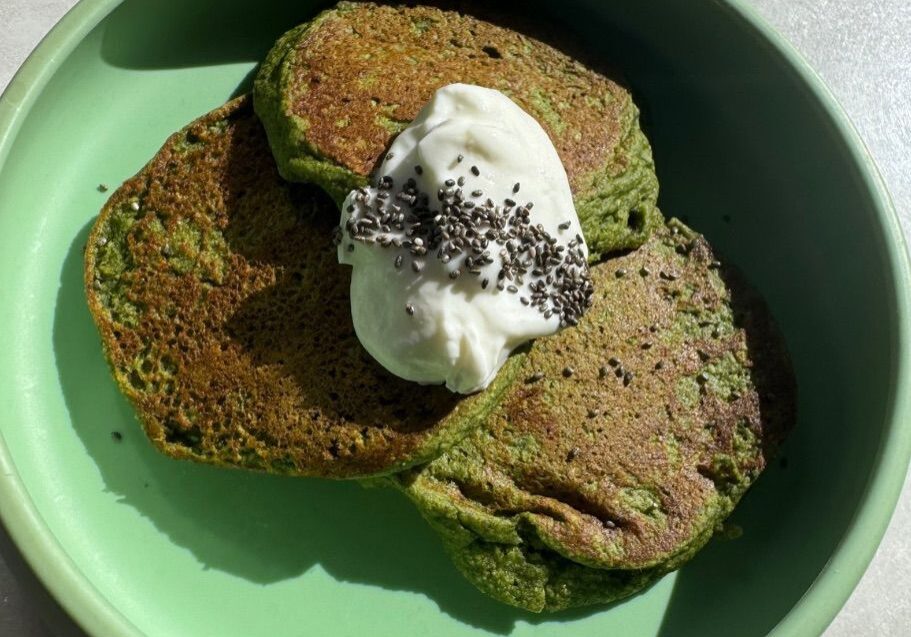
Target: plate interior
181,549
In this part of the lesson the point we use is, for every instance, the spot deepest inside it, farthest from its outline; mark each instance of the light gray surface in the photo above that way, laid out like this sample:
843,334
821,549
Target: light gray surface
862,50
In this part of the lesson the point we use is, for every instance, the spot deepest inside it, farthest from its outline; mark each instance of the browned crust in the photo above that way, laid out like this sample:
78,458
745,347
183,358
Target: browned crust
225,318
368,64
616,471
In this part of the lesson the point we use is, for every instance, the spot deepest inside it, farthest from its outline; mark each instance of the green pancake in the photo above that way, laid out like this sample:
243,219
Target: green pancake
334,92
630,439
224,315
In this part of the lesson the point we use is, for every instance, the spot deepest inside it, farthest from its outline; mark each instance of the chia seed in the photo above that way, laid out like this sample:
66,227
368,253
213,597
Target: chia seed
481,234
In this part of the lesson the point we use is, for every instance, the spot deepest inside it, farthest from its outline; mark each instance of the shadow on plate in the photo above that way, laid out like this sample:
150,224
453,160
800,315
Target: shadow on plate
259,527
216,32
202,33
708,593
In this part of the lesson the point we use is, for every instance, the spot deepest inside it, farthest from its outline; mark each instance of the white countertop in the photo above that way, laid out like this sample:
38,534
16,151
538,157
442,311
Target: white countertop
862,50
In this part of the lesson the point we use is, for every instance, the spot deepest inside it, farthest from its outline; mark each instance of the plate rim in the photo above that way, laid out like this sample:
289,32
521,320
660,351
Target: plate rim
37,545
813,611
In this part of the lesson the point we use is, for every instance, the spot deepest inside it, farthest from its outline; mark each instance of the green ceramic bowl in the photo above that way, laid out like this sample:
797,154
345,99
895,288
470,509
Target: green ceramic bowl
750,148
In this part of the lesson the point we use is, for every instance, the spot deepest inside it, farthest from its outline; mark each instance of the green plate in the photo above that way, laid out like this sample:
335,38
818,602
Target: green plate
750,147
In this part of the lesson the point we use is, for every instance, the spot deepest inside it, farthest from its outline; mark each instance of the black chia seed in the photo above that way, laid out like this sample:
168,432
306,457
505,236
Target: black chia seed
473,234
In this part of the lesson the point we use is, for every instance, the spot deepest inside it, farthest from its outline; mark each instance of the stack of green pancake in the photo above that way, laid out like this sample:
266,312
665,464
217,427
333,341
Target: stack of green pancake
600,458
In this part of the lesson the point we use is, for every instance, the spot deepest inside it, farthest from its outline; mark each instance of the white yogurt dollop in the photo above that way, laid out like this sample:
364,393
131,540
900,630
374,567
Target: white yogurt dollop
409,312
